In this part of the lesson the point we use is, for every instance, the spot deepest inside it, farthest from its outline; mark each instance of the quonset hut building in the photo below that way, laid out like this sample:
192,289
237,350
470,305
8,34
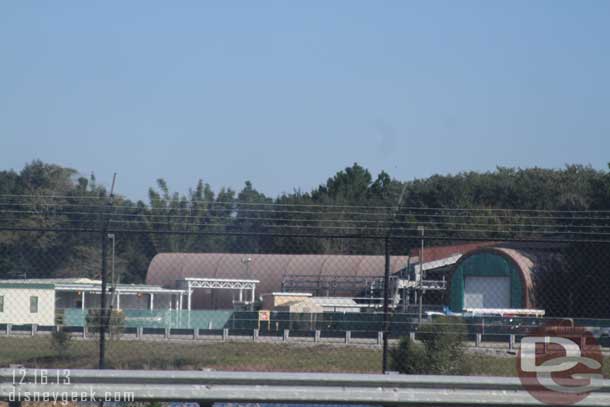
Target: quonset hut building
504,276
493,275
321,275
475,275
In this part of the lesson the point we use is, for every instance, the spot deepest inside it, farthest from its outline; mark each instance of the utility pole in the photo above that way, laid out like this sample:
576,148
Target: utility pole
386,283
421,229
386,303
103,319
113,278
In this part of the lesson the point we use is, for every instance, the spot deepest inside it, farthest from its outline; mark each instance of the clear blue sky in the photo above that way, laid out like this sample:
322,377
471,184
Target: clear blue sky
287,93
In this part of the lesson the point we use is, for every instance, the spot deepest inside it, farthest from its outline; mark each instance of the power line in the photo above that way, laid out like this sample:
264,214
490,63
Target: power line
380,222
364,228
344,214
305,235
312,205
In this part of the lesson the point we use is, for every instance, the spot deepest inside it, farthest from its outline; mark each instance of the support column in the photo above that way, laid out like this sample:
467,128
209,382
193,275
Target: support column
188,293
118,300
180,308
241,295
82,300
152,301
252,298
188,302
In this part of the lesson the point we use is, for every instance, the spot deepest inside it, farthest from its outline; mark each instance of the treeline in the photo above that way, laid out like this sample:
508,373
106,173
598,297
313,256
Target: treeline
50,217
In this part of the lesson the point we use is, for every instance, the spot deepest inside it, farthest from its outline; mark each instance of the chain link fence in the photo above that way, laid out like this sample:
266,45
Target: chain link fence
285,302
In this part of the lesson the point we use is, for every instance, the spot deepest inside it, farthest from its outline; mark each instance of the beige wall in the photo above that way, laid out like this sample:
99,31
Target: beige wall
271,301
17,306
306,306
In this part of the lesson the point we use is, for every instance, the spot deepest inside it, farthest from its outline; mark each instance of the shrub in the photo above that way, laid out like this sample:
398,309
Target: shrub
60,341
440,351
408,357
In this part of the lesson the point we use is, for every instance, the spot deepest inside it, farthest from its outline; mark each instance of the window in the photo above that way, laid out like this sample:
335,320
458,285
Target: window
33,305
1,303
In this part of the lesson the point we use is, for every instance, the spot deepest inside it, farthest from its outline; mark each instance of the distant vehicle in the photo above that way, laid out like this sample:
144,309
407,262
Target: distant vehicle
430,315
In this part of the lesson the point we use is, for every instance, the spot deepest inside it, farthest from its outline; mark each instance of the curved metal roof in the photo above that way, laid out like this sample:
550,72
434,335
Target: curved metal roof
270,269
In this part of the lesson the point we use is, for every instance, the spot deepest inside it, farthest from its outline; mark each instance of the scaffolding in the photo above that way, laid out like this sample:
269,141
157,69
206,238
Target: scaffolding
191,283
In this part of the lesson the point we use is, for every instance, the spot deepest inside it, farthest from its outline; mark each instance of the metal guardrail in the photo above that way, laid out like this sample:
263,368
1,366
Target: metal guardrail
370,338
209,387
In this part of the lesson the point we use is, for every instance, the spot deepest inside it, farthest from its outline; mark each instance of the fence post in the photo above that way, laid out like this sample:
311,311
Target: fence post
286,335
225,334
9,328
254,335
477,339
348,337
166,333
511,342
139,332
34,329
316,336
84,332
102,316
412,336
386,306
195,333
380,338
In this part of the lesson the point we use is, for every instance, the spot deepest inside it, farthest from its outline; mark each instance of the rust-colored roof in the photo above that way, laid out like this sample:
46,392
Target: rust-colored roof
433,253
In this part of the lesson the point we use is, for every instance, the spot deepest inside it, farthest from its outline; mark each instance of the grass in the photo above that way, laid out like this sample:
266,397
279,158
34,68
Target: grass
38,352
483,365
